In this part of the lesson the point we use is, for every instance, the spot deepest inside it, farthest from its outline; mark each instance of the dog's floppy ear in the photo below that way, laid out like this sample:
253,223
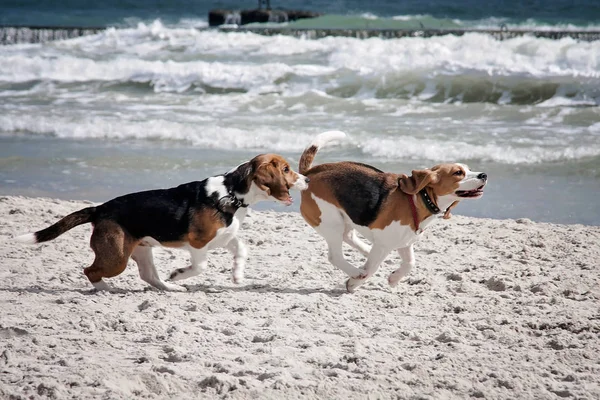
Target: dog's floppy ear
447,214
261,173
417,181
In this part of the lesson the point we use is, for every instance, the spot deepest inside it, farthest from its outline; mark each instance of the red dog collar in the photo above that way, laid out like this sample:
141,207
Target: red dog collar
413,208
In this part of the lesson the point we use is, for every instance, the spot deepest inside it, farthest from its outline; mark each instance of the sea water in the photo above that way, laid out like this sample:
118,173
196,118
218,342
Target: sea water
154,102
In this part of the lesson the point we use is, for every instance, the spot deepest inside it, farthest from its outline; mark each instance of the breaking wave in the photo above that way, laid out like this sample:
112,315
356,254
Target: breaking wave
470,68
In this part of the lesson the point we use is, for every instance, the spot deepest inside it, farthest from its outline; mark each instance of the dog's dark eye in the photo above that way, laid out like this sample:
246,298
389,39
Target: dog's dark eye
286,169
458,173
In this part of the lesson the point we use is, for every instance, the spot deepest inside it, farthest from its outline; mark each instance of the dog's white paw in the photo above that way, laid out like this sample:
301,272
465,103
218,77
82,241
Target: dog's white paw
101,286
396,276
393,281
237,279
174,288
353,283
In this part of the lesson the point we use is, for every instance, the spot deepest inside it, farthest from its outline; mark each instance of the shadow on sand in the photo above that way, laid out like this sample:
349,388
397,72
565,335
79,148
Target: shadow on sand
210,289
207,289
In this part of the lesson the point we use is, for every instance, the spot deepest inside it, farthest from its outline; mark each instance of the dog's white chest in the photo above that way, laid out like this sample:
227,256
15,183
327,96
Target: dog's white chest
225,234
393,236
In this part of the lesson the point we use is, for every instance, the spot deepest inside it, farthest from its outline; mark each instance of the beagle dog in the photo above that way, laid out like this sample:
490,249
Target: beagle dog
195,216
389,210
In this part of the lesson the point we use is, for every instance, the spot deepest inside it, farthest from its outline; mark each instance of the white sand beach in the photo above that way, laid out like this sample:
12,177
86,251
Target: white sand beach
495,309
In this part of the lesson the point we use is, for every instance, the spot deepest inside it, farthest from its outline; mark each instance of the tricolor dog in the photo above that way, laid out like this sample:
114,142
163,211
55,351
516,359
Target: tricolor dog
196,216
389,210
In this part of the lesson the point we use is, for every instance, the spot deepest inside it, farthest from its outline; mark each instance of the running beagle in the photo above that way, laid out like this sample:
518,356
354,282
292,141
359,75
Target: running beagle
390,210
196,216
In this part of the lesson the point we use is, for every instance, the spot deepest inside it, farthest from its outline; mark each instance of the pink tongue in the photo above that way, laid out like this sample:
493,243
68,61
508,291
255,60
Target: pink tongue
289,201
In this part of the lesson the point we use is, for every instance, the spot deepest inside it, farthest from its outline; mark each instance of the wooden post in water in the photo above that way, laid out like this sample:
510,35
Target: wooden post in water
266,3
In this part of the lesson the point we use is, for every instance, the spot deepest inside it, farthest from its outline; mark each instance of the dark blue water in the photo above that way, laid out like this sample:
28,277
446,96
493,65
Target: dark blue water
120,12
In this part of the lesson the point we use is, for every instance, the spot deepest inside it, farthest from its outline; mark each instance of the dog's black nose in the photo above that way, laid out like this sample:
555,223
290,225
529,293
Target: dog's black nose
482,176
306,180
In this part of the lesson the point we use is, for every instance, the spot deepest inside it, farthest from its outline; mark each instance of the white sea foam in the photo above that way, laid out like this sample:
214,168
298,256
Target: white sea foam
455,150
563,101
192,23
219,136
163,75
529,24
410,17
524,56
449,69
156,49
210,136
401,99
369,16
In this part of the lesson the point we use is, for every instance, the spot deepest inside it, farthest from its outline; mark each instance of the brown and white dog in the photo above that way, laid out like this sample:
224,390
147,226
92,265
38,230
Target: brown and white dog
196,216
389,210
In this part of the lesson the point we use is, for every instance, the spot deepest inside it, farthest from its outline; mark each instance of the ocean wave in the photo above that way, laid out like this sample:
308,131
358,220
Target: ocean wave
292,81
211,136
470,68
409,148
529,24
471,53
451,54
438,90
383,148
162,75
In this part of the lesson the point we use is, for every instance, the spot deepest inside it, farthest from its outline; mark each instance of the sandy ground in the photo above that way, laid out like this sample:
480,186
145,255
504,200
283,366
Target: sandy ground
495,309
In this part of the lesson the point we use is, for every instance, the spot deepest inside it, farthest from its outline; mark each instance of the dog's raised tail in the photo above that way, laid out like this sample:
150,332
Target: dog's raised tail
311,151
53,231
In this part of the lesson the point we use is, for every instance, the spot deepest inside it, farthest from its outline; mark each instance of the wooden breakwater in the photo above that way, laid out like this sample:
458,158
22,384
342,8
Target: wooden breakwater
499,34
40,34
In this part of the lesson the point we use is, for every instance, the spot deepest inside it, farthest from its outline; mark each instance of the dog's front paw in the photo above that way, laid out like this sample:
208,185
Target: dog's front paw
398,274
395,277
175,288
393,280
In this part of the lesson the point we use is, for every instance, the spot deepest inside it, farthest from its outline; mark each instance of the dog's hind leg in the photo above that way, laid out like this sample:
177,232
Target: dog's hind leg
332,231
112,247
336,257
142,255
329,223
408,262
198,264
